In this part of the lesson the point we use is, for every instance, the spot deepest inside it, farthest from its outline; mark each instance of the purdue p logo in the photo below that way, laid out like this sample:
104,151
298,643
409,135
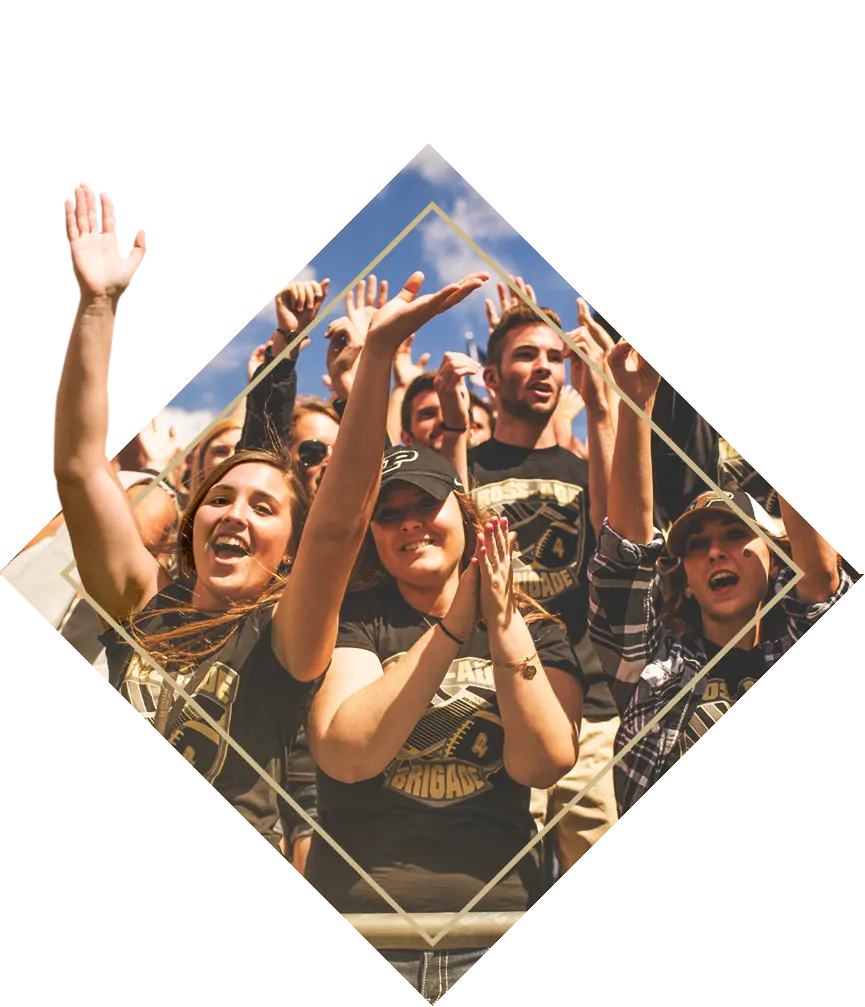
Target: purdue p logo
397,459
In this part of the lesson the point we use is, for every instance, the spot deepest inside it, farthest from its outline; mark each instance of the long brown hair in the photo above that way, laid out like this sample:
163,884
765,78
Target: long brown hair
369,571
201,636
682,615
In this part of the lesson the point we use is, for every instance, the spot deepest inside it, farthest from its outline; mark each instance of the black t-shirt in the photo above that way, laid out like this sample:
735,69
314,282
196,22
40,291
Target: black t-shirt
444,817
729,680
544,493
245,690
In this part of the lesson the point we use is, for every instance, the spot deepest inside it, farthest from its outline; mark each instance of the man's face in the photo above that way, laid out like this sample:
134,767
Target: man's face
314,438
529,379
426,416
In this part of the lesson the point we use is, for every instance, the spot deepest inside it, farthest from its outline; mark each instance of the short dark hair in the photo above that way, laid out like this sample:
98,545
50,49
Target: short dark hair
422,383
514,318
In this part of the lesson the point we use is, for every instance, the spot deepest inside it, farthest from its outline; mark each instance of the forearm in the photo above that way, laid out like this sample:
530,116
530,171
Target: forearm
394,414
306,620
368,729
81,418
817,559
629,488
540,740
601,433
455,449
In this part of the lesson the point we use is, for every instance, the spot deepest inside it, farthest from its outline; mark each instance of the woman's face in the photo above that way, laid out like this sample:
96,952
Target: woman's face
420,540
241,532
313,426
727,568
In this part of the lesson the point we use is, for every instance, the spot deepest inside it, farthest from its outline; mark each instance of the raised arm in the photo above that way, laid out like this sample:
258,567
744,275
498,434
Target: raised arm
817,559
600,420
630,493
541,709
115,567
456,409
307,617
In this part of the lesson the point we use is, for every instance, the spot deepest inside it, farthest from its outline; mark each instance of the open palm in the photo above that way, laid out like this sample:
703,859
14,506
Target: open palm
99,267
402,316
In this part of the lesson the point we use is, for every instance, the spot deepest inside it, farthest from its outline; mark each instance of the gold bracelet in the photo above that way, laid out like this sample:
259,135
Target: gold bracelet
526,669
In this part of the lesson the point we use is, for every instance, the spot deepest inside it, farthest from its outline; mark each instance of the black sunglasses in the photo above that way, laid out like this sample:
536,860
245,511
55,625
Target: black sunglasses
312,452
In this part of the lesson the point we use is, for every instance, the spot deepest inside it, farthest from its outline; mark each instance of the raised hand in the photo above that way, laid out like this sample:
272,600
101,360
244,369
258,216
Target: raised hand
589,382
299,303
507,299
405,370
634,376
402,316
362,302
494,552
100,269
585,319
343,354
452,391
463,614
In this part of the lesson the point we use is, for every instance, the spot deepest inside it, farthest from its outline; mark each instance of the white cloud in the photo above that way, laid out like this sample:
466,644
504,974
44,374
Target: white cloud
187,424
453,258
431,165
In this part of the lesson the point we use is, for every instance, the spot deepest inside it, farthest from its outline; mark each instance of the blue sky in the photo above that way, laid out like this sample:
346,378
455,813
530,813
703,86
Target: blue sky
432,247
31,335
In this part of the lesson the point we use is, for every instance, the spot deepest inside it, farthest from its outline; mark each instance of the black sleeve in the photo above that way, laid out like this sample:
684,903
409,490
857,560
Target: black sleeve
357,622
675,482
269,405
555,650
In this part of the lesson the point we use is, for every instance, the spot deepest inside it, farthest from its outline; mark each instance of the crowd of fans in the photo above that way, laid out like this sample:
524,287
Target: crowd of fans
432,616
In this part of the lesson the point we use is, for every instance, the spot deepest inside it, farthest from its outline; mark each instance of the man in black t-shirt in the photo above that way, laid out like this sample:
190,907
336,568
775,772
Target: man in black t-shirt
554,501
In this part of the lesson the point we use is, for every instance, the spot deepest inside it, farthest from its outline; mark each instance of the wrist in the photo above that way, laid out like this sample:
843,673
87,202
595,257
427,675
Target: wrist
97,303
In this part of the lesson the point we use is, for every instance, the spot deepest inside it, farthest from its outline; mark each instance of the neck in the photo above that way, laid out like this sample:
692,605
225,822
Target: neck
204,601
433,599
721,632
519,433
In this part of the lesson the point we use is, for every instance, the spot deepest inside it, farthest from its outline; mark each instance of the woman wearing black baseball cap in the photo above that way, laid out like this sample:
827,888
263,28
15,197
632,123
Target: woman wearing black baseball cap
451,694
659,614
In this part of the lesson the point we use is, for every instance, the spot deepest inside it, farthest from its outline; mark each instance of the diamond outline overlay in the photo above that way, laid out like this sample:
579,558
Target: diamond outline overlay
798,574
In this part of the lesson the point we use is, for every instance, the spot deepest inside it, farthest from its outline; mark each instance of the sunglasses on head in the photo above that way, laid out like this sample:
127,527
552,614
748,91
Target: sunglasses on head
312,452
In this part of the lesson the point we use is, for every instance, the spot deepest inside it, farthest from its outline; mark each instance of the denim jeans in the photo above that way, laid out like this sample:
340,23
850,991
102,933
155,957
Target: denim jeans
432,973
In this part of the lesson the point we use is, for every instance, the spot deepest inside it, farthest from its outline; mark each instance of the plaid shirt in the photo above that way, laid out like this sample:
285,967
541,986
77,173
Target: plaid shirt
649,664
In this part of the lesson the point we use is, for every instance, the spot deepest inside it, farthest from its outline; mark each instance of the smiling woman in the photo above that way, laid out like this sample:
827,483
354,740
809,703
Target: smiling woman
659,612
223,660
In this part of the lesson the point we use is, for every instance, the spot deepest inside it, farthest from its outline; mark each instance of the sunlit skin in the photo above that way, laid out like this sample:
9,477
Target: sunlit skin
420,540
240,535
314,426
529,380
721,545
219,449
426,417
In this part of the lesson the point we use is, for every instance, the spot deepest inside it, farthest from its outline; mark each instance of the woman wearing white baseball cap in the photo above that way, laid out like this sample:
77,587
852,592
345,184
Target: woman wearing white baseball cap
660,613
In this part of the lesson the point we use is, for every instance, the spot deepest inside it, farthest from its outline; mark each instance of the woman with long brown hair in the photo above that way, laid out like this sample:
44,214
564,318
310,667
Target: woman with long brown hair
250,624
659,612
451,694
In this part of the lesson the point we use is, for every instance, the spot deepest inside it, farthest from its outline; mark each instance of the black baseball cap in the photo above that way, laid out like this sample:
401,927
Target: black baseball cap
422,467
678,537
